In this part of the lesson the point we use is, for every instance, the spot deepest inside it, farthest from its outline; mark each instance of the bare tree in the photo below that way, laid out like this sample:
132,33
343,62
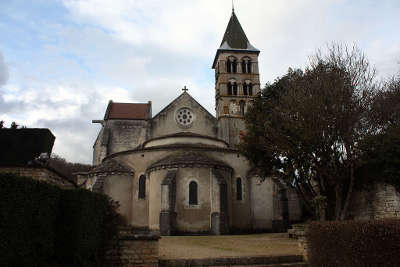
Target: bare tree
306,128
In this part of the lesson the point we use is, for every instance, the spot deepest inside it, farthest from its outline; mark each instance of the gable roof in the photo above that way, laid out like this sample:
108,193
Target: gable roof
128,111
235,39
177,99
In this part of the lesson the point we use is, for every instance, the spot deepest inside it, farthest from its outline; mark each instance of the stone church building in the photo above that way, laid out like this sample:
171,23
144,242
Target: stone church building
179,171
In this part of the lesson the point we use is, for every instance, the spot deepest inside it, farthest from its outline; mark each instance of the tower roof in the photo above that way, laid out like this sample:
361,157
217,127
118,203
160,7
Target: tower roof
234,34
235,39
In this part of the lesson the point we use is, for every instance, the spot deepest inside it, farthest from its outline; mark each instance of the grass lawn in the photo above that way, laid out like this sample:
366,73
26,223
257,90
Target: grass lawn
198,247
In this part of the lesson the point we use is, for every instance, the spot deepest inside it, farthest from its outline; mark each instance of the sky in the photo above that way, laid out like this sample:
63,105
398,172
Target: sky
61,61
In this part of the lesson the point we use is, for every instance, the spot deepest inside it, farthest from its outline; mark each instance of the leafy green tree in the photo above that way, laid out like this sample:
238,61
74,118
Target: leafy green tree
306,128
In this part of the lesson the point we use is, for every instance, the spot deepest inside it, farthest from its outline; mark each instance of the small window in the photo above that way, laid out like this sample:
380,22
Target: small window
250,86
245,89
193,193
239,190
226,110
242,105
248,66
243,66
235,88
228,66
229,88
234,66
142,187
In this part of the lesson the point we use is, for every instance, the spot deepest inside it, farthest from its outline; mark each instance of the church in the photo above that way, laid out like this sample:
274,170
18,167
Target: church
179,171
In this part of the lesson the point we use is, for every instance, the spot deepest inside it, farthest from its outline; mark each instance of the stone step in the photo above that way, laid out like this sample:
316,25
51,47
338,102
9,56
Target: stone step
293,264
269,261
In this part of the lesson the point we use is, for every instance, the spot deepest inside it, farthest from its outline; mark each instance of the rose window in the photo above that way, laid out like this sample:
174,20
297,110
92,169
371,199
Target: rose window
184,116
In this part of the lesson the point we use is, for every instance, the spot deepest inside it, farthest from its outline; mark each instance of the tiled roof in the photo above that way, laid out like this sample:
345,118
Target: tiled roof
188,159
107,166
130,111
110,166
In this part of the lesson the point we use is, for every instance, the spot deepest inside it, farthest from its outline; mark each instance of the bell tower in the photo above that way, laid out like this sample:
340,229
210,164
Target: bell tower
237,80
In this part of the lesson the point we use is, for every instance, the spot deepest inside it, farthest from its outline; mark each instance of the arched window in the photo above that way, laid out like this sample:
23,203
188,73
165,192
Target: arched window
239,190
142,187
242,105
250,86
228,66
193,193
243,66
234,66
248,66
245,92
235,88
229,88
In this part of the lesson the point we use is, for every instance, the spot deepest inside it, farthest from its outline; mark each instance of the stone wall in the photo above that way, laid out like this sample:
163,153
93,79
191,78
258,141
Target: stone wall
165,123
40,173
134,249
381,201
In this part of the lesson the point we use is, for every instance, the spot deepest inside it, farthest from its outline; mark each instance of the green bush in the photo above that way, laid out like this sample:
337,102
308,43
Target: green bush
28,213
89,222
354,243
40,223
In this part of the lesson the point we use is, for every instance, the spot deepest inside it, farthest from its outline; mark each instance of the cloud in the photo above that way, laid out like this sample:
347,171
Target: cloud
3,71
68,60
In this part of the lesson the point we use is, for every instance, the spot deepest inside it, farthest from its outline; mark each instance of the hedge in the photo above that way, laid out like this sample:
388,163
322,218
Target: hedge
41,223
354,243
84,233
24,145
28,214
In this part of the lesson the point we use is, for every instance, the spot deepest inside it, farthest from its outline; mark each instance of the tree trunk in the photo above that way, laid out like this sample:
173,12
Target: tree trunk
349,193
339,200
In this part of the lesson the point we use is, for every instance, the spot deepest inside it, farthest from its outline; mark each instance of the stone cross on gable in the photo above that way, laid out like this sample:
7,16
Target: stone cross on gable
185,89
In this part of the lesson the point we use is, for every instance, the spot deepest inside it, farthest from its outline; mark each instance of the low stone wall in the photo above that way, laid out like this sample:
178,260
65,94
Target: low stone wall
134,249
381,201
298,232
40,173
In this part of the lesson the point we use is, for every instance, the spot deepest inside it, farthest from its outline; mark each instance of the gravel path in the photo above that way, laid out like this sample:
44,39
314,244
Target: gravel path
199,247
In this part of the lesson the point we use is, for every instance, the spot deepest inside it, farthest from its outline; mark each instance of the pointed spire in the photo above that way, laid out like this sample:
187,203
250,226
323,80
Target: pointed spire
234,38
234,34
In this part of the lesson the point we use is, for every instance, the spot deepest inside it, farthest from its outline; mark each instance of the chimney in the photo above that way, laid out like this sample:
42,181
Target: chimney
149,110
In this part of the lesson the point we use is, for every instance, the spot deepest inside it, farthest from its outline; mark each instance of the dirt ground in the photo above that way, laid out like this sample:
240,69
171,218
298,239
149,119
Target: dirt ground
198,247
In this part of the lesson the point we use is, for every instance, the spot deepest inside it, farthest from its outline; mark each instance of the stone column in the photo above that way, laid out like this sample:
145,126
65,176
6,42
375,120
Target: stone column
168,200
219,214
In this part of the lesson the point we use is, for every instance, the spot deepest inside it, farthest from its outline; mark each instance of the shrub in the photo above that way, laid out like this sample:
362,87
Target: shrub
88,222
28,212
354,243
41,223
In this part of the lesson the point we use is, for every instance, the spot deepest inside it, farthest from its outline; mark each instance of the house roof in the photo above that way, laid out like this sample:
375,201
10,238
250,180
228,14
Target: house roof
127,111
